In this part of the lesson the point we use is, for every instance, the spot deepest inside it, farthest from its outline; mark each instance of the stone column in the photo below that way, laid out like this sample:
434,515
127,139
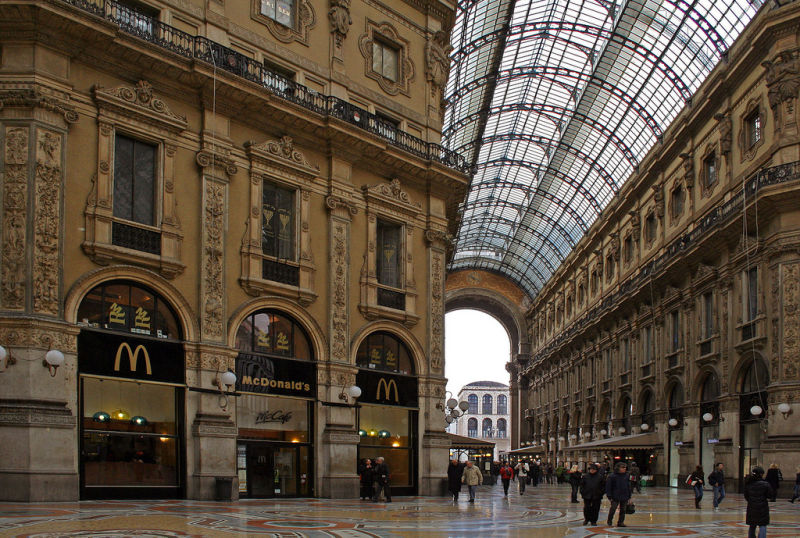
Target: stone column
211,428
339,441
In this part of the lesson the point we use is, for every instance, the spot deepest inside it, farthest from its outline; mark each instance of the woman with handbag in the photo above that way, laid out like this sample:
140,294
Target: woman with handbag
697,479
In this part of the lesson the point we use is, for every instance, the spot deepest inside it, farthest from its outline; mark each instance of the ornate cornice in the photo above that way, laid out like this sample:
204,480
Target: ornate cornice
141,102
32,98
283,153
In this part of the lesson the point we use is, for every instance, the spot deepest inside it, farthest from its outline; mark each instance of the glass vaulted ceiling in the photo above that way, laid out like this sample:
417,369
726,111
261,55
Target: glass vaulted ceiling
555,102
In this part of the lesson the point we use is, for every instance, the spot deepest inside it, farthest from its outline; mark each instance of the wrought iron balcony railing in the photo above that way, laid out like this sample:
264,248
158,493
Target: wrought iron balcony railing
221,57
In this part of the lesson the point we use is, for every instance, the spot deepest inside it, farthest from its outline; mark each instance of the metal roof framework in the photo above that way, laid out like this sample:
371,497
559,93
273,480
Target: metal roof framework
556,102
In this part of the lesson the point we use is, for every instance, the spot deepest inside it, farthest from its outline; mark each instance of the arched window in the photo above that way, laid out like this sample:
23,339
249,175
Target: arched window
384,351
501,428
270,332
502,405
710,391
128,307
487,404
472,399
487,427
472,427
755,378
648,403
676,396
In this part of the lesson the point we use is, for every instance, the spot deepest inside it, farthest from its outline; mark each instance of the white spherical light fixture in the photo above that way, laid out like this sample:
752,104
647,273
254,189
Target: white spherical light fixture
621,430
708,417
784,408
463,405
228,378
603,432
672,422
54,358
645,427
452,403
756,410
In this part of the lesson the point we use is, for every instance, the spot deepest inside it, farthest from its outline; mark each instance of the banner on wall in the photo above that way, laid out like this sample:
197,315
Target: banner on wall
270,375
387,389
125,356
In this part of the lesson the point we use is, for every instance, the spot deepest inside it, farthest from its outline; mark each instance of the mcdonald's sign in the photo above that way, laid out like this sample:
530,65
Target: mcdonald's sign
386,388
115,354
133,357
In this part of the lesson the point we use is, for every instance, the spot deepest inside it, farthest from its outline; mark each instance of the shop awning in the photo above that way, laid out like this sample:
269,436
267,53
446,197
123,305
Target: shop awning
527,450
459,441
641,440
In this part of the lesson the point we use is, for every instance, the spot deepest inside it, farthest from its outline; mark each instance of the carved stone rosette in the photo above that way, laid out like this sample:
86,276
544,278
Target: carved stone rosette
213,284
47,221
15,203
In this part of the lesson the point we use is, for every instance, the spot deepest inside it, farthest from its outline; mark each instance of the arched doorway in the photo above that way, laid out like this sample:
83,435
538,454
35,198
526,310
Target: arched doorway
131,391
387,411
277,378
753,394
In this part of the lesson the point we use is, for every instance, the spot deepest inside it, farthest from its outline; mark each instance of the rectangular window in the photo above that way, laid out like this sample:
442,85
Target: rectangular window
708,315
677,201
650,228
134,180
648,343
753,128
627,249
675,322
751,294
135,17
609,365
277,222
385,59
281,11
389,254
626,355
710,169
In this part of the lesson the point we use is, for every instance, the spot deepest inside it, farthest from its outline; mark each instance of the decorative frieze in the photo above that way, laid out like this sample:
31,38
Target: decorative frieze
15,204
47,221
339,290
436,309
213,284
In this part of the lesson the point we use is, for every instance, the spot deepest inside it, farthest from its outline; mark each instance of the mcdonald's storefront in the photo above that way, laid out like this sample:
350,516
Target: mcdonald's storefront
131,391
388,409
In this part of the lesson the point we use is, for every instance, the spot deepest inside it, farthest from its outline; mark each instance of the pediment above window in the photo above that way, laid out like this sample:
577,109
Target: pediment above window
391,197
281,156
138,103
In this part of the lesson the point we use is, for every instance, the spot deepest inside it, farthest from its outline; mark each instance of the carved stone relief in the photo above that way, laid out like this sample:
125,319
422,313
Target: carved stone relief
339,289
212,261
791,322
437,310
437,63
47,221
15,203
783,83
340,19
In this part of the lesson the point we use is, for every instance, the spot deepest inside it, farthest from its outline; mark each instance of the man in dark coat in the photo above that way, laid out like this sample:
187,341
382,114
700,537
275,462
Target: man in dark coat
592,489
382,480
757,493
618,491
454,473
366,471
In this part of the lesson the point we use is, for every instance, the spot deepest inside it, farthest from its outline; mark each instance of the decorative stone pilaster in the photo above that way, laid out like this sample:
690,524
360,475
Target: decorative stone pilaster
15,204
789,357
437,244
47,221
341,212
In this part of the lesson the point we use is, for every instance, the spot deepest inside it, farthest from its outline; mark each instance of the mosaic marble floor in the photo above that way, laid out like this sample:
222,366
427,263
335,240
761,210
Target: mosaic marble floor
541,512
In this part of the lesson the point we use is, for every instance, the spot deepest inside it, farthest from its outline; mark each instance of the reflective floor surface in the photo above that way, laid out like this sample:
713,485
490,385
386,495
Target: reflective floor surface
542,512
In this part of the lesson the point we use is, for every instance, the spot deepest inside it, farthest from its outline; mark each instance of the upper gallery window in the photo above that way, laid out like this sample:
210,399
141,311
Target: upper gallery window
627,249
134,180
750,294
389,256
281,11
678,197
487,404
710,170
385,59
502,406
472,399
274,333
752,128
650,227
383,351
277,222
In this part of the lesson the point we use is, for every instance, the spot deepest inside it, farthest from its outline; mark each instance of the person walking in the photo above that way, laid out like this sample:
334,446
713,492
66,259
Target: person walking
592,489
796,492
757,493
618,491
367,473
551,474
472,477
774,477
382,477
521,471
495,470
506,474
536,472
697,479
574,481
454,473
716,480
636,477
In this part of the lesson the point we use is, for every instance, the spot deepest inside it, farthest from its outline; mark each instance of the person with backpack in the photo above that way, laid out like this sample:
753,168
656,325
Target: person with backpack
521,471
717,481
506,475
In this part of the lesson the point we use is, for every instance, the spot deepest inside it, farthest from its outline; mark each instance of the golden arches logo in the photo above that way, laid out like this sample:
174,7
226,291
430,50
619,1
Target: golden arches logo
133,357
387,387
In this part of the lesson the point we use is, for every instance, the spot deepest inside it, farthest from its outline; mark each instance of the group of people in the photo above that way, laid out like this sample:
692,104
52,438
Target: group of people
374,479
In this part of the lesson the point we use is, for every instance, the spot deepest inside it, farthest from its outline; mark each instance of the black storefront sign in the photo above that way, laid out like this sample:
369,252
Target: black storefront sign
125,356
270,375
387,389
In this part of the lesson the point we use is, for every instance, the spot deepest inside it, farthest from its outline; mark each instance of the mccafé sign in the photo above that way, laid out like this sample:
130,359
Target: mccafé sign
386,388
271,375
125,356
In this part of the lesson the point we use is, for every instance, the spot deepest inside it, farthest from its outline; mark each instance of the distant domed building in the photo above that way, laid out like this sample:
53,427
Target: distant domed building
488,415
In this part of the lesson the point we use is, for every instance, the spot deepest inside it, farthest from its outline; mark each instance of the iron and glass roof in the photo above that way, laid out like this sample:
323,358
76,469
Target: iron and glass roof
555,102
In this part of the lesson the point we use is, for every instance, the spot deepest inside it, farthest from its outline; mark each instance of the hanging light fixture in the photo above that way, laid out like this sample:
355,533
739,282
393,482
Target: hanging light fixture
673,422
101,416
139,420
756,410
120,414
383,434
